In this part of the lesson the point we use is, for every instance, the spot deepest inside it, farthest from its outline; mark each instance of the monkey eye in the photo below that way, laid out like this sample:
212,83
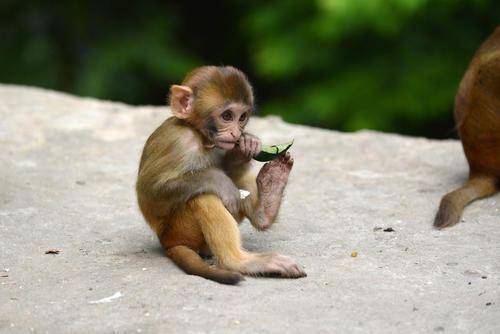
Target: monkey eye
227,116
243,117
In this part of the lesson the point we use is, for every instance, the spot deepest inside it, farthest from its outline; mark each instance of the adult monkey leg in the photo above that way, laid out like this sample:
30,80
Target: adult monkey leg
266,191
221,233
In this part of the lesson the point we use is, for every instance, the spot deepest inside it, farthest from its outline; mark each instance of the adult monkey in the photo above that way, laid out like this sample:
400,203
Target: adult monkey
190,173
477,113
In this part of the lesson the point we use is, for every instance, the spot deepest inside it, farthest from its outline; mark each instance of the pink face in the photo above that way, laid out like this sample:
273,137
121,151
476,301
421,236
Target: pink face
225,126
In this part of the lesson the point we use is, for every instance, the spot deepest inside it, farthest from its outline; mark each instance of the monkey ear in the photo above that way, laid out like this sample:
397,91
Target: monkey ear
181,101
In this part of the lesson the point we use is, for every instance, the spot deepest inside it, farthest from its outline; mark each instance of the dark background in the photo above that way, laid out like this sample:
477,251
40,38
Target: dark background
389,65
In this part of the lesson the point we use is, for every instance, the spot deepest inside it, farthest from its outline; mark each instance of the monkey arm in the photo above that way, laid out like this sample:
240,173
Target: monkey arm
235,159
247,147
245,179
236,167
180,190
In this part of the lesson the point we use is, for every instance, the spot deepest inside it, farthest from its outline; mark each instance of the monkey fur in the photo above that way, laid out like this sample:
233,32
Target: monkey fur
477,115
190,173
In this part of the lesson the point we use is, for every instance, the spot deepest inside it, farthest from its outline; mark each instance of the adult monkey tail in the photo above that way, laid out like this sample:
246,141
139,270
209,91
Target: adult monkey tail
453,203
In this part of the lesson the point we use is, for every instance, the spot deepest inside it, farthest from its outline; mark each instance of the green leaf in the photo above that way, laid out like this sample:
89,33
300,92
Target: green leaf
269,153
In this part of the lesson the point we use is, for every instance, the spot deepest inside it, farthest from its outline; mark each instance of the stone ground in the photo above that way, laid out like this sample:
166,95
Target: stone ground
68,168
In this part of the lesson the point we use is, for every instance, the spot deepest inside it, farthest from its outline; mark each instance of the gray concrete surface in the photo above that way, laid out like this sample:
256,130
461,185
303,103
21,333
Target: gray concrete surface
68,169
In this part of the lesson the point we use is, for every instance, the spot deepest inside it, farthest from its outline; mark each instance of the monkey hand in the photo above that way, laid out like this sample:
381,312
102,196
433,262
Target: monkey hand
231,198
248,147
217,182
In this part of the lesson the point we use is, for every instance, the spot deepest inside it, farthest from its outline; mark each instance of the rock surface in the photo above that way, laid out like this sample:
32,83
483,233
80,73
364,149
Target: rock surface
68,168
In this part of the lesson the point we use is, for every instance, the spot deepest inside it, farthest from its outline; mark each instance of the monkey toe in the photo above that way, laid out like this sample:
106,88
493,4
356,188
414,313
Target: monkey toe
285,157
286,162
285,267
298,272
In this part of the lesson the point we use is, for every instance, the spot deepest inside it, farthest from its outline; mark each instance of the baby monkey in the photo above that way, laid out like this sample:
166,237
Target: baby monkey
190,173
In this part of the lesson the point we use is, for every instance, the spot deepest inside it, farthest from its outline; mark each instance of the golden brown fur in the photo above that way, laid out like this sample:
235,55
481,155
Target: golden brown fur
187,187
477,113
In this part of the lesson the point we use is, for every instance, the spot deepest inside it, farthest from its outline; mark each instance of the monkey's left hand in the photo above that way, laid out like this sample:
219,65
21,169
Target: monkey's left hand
249,146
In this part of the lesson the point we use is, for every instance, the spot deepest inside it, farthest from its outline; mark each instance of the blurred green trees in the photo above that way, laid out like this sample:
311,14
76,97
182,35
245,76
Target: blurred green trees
391,65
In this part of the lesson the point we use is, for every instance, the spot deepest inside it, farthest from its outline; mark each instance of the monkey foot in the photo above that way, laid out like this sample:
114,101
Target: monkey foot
273,265
271,183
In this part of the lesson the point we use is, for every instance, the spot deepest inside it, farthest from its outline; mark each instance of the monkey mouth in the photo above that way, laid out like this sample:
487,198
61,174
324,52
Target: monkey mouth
225,145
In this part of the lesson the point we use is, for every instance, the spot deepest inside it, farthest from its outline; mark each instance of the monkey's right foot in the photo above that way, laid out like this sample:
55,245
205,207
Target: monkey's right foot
271,183
272,265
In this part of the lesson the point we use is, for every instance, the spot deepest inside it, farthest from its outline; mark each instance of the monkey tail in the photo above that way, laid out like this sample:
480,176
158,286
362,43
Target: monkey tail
453,203
192,264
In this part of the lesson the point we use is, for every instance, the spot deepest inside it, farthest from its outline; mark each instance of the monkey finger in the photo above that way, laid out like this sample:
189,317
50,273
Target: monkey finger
245,149
250,144
258,146
242,143
254,147
249,150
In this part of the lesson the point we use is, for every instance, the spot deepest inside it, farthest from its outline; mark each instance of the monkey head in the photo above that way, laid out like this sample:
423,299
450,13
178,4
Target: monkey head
216,101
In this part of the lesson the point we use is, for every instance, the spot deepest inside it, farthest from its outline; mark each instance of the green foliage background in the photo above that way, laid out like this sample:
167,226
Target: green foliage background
390,65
